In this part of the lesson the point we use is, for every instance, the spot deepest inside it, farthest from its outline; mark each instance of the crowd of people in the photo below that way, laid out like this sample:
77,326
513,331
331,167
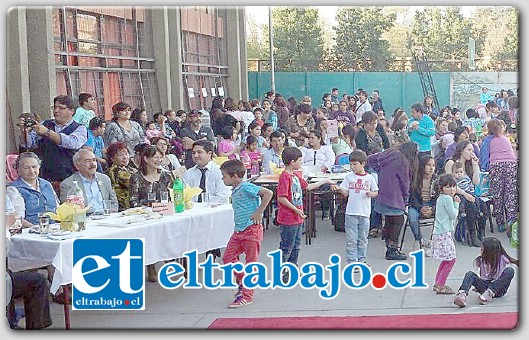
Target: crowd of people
131,160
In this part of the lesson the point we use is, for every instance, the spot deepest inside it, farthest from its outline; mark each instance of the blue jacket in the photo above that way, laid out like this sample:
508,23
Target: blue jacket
36,202
423,134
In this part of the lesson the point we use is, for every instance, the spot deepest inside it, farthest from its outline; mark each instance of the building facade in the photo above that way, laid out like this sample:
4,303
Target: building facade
151,57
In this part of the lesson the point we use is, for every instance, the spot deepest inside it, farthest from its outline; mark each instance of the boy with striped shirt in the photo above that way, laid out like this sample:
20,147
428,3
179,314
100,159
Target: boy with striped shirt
249,202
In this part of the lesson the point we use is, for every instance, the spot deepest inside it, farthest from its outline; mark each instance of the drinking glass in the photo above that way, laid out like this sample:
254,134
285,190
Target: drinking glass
114,207
164,197
205,199
151,197
106,206
44,223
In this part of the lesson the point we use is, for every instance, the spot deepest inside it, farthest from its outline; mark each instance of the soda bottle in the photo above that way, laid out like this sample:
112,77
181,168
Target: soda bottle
75,196
178,189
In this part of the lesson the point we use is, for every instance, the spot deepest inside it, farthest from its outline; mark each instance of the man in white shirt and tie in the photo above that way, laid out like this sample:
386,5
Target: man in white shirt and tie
211,182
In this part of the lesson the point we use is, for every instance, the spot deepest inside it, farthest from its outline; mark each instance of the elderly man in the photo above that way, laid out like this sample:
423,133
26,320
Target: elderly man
273,154
194,132
96,186
57,140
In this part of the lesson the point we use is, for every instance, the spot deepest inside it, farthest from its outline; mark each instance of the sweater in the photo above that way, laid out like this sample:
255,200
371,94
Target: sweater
394,177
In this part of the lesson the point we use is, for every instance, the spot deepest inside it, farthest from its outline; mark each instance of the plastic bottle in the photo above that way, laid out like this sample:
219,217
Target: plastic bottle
75,196
178,189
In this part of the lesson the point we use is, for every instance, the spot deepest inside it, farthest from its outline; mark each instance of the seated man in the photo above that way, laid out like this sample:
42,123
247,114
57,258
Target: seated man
273,154
96,186
31,286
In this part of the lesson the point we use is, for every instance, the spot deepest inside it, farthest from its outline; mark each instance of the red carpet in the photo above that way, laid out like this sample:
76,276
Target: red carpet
431,321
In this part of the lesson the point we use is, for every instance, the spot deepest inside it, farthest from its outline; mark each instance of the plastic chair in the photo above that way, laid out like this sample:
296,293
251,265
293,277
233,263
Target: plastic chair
11,172
342,159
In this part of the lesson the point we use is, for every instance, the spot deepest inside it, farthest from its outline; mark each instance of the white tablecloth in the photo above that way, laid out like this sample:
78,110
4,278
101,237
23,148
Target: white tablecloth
170,237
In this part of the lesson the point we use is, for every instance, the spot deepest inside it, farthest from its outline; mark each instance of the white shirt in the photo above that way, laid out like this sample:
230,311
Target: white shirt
358,203
323,156
361,108
215,187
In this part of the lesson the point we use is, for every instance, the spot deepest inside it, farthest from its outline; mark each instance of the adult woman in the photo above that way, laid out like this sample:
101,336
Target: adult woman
304,121
422,202
371,137
150,178
121,128
503,175
120,172
351,105
37,193
139,115
345,143
169,161
282,111
429,108
396,168
461,134
320,155
464,153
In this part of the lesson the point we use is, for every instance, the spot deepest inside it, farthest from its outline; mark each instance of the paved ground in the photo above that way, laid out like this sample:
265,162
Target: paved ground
197,309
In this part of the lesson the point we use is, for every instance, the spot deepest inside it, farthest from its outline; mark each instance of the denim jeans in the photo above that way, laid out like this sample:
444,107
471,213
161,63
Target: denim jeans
413,216
499,286
356,231
290,241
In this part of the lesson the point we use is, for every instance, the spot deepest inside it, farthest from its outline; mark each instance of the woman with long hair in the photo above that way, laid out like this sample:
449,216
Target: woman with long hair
122,128
397,169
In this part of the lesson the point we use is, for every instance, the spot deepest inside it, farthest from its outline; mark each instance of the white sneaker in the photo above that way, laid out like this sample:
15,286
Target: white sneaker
486,297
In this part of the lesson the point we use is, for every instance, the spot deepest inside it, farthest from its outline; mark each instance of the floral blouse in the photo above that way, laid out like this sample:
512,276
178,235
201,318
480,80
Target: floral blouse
120,179
140,187
115,132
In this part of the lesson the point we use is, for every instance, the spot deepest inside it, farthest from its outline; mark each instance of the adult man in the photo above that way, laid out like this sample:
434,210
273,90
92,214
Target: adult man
57,140
376,102
96,186
193,133
273,154
205,174
85,111
421,128
334,96
362,105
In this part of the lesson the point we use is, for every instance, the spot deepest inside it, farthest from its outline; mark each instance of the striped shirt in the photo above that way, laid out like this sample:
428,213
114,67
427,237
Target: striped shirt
245,200
465,184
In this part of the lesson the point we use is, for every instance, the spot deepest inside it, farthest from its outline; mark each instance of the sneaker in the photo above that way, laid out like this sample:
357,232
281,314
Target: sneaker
395,254
239,302
486,297
460,299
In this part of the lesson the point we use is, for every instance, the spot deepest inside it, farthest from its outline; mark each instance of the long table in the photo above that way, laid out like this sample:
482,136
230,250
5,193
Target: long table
201,228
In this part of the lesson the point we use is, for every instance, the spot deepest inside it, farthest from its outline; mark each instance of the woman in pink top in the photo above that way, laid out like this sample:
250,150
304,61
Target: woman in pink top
503,174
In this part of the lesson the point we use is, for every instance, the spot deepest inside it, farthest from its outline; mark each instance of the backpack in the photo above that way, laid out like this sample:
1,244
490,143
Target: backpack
339,216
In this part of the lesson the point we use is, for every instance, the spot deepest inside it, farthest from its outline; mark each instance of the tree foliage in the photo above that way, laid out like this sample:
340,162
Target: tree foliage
298,38
359,42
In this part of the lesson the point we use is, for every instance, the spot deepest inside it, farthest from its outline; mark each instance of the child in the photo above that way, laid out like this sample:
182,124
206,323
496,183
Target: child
251,155
248,201
495,273
258,113
443,246
464,182
359,186
255,130
226,146
290,213
151,131
96,129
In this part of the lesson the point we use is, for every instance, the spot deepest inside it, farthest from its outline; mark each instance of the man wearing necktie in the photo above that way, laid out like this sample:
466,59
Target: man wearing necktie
206,175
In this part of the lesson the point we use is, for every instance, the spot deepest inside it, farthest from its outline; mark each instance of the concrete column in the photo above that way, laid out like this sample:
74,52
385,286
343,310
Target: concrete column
175,50
162,64
236,53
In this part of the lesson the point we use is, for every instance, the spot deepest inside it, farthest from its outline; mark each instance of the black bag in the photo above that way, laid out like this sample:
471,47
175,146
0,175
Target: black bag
339,216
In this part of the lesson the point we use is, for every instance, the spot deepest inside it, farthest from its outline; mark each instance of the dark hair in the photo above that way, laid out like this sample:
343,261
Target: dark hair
113,149
459,131
83,98
230,104
179,113
423,160
266,100
206,144
445,180
226,132
418,107
490,105
318,133
234,167
95,123
120,106
155,140
358,155
305,108
409,150
491,253
136,113
369,117
149,123
349,130
276,134
458,165
334,89
251,139
148,152
471,113
157,114
140,147
457,155
290,154
452,126
270,93
265,126
64,100
252,126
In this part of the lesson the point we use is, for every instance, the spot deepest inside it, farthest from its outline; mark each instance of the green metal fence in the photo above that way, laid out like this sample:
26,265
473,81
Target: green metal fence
397,89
